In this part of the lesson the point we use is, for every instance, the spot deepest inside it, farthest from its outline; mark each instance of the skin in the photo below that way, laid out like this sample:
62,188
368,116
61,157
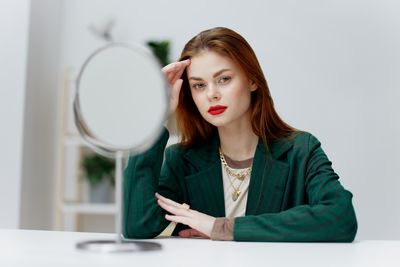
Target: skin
214,80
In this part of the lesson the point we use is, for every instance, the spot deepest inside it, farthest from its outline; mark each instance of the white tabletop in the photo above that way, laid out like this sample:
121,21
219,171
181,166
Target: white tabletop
48,248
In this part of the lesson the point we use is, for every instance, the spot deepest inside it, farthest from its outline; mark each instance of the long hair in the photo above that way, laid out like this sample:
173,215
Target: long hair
265,121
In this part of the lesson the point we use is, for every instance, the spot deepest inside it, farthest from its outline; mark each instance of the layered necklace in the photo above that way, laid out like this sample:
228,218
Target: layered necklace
236,175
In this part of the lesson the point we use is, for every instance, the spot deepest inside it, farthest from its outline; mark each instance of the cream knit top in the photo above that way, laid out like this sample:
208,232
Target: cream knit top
235,208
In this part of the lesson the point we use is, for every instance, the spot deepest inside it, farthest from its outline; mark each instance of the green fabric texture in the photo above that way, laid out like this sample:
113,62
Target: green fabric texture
294,194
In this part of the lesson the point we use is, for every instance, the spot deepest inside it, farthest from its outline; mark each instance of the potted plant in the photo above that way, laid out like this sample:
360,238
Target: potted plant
160,50
99,171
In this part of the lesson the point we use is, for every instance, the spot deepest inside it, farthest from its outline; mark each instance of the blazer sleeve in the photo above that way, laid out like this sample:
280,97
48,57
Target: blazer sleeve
329,215
145,175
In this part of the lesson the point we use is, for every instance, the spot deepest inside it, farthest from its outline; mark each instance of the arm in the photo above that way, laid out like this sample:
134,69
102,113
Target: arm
329,216
143,218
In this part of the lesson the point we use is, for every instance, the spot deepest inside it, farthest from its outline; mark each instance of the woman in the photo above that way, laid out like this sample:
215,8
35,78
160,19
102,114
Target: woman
240,172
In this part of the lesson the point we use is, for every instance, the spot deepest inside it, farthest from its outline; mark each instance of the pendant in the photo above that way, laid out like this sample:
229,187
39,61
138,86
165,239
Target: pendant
241,177
235,195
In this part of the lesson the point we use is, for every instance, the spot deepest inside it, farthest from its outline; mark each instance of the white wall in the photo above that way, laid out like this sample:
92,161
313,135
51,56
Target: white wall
331,67
40,134
14,18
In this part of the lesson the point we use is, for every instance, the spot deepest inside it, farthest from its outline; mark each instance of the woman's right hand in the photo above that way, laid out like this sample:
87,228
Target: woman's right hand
173,73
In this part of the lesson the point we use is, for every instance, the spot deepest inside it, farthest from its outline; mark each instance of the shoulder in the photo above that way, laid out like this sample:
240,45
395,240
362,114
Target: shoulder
297,142
198,156
175,149
302,139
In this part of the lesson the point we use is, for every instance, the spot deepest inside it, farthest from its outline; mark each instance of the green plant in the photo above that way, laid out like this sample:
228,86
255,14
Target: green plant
161,50
96,168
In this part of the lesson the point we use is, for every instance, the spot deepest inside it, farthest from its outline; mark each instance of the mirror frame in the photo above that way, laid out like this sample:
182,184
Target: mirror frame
102,147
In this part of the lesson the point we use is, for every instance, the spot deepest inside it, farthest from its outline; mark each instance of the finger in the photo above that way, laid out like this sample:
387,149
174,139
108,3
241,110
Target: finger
170,76
169,68
177,75
187,233
176,66
176,88
179,211
175,72
168,201
181,70
178,219
174,95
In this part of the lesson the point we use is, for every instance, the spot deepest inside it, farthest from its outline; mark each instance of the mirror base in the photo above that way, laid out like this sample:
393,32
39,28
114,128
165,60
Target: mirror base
117,246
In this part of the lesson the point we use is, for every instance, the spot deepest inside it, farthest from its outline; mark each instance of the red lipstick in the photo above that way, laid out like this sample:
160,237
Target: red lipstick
215,110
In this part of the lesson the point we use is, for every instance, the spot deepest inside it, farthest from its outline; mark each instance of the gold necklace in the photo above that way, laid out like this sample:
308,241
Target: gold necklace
236,175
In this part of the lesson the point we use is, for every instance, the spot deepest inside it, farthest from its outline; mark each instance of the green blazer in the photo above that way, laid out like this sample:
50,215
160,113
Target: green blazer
294,194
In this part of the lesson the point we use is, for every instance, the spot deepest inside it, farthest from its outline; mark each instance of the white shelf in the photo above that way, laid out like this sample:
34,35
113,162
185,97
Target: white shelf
73,191
90,208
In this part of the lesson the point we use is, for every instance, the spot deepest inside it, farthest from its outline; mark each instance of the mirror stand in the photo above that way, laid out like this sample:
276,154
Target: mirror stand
119,244
120,105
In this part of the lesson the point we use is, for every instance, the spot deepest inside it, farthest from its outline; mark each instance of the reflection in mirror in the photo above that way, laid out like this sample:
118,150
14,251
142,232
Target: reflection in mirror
120,107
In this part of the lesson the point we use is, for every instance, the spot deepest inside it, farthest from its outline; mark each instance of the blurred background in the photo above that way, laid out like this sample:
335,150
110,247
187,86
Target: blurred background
332,67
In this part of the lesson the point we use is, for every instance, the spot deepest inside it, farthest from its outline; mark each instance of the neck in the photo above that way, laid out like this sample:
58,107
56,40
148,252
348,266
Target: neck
238,141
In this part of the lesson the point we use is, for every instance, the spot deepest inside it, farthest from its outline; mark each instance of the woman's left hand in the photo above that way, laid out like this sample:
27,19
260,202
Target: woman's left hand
201,224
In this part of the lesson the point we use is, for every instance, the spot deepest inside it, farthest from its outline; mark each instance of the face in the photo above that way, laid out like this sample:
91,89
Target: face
220,89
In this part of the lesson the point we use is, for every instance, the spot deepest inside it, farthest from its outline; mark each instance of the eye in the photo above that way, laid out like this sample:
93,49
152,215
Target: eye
198,86
224,79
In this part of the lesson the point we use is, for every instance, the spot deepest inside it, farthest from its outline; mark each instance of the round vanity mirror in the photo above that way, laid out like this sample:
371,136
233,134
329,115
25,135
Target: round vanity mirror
121,100
120,106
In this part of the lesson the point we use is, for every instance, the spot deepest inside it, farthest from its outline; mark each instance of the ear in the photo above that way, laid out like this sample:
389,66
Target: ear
253,86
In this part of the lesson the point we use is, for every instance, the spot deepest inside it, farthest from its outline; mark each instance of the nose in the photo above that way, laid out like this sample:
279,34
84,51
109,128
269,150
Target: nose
213,93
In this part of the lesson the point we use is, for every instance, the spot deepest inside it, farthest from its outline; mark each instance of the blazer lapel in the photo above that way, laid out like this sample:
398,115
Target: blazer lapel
206,184
268,179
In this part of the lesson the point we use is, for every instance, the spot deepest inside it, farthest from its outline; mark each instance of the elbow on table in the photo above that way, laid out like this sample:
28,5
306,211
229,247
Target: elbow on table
352,231
348,230
345,222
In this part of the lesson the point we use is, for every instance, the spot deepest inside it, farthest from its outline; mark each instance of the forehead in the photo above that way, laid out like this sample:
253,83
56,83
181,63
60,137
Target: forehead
207,63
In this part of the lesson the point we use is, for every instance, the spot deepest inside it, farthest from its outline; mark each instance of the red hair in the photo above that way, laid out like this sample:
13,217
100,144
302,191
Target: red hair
265,121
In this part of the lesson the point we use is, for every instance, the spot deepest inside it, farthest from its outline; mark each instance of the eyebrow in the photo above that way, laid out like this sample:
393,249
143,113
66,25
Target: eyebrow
215,75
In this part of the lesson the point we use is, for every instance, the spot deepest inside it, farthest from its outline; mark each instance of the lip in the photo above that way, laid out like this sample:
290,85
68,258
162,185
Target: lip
215,110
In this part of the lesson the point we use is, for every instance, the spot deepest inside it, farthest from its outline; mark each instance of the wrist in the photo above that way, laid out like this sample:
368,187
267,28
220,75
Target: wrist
222,229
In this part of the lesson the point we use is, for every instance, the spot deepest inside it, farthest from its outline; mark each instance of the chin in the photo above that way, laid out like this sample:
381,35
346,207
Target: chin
217,122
